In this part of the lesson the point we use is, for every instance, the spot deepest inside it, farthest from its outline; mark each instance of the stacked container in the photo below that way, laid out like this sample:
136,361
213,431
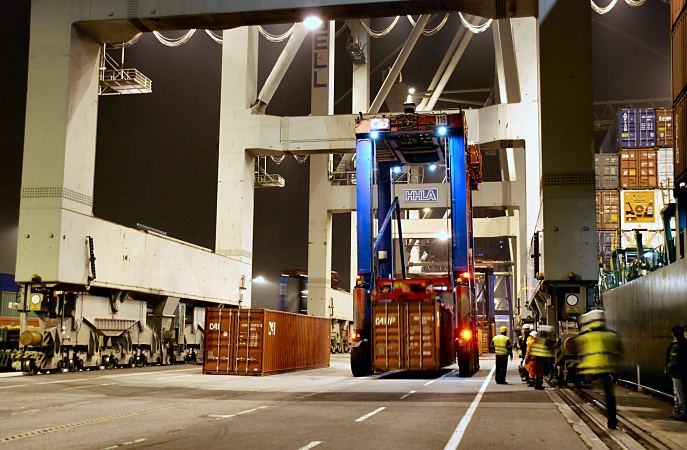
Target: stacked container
634,176
679,54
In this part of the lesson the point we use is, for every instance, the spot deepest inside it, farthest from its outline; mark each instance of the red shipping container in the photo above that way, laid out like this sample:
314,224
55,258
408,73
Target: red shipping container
638,168
260,341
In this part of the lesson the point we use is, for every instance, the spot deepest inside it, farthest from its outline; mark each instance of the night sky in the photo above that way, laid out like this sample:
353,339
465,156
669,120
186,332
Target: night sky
156,160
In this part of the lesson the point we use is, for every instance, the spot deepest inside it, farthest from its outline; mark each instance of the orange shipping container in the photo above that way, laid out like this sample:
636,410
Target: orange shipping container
261,341
679,54
638,168
607,210
676,7
411,335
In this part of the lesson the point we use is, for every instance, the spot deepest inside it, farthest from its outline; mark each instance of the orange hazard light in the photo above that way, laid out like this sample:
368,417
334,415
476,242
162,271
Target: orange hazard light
466,334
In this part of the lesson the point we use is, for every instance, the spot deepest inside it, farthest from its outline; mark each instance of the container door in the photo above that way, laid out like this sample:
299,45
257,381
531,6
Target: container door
387,336
422,336
218,336
248,349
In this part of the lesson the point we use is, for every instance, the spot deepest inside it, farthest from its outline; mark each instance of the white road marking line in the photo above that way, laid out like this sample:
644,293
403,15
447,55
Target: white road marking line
437,379
406,395
136,441
87,386
313,444
370,414
229,416
307,395
175,376
73,380
457,436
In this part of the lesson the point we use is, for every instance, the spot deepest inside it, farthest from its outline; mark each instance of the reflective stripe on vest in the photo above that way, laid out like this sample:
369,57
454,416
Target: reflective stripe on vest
540,349
500,344
597,351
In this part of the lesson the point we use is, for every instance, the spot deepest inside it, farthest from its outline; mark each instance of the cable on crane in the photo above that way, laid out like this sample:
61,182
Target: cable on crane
635,3
341,30
278,159
126,44
174,42
276,37
214,37
475,28
434,30
603,10
382,33
301,159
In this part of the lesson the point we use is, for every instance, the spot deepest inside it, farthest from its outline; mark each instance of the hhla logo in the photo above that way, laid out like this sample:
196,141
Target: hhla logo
421,195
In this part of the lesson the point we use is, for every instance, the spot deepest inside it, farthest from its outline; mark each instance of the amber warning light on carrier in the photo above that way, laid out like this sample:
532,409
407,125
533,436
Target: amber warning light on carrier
466,334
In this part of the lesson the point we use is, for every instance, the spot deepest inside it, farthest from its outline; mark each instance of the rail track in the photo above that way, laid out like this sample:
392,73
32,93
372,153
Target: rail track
629,434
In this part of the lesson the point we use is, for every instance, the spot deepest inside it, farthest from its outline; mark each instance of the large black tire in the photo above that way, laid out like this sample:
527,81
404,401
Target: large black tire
468,363
361,360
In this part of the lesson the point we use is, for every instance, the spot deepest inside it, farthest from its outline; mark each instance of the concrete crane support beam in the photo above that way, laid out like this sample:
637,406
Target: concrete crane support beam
568,211
401,59
281,66
506,63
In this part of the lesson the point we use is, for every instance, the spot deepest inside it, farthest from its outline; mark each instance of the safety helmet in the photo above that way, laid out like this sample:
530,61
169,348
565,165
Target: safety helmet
593,319
534,334
503,330
527,326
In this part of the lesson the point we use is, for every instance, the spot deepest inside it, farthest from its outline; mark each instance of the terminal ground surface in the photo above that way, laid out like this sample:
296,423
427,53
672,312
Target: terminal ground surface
179,407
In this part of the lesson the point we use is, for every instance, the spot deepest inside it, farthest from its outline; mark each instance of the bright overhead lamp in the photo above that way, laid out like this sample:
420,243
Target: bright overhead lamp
432,167
312,22
441,131
411,90
259,280
374,134
397,169
442,235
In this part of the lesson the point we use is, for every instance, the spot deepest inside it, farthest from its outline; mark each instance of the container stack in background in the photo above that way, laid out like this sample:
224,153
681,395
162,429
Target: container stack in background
634,180
679,88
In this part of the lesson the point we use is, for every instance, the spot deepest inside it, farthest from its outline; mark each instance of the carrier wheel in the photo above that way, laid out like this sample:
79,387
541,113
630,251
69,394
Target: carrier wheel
361,360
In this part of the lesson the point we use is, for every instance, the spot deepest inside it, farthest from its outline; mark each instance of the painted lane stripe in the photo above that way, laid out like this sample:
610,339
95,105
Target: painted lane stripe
457,436
68,426
172,377
313,444
88,386
74,380
229,416
408,394
370,414
437,379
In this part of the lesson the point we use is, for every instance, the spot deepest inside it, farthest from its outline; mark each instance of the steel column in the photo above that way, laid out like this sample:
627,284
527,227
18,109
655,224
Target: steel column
384,199
364,206
459,207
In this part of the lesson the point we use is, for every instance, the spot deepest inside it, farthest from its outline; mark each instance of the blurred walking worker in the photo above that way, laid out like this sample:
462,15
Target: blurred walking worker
503,349
676,368
598,351
539,353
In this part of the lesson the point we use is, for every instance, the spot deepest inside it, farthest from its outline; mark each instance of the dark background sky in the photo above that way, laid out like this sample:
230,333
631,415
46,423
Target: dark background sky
156,160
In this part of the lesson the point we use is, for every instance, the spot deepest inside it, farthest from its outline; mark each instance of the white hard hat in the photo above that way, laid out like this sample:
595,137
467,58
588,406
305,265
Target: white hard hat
527,326
534,334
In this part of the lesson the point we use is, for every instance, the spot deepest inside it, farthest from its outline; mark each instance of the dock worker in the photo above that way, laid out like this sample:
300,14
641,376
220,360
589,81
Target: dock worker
503,349
598,351
539,353
523,340
676,368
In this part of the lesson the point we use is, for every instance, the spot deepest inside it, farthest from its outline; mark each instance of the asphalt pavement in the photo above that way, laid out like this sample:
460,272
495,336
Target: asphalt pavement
180,408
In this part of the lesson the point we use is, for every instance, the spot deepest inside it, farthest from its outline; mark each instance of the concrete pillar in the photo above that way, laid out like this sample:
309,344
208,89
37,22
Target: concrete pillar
565,67
235,179
319,216
60,136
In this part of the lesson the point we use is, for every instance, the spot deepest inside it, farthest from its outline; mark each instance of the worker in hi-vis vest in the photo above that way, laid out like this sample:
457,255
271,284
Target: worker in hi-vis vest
503,348
598,350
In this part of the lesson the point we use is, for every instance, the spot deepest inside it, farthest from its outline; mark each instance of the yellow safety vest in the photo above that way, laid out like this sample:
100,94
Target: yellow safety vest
500,344
598,352
540,349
